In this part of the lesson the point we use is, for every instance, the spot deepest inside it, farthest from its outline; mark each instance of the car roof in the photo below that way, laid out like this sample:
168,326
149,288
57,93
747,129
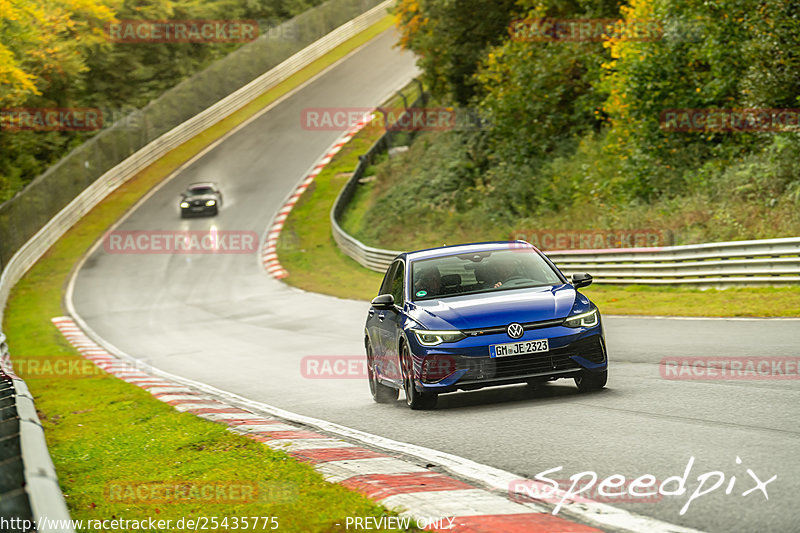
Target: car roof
200,184
442,251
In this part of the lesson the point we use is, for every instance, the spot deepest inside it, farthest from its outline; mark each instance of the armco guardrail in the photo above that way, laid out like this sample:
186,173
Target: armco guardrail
372,258
14,501
41,488
771,261
763,262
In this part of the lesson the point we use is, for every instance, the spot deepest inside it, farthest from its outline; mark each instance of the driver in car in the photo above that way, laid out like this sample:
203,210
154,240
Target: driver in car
505,271
429,281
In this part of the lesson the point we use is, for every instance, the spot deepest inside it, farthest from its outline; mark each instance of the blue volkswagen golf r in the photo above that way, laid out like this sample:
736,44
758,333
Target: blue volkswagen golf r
480,315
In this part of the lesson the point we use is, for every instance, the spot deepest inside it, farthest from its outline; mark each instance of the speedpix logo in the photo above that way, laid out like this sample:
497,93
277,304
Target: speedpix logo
645,487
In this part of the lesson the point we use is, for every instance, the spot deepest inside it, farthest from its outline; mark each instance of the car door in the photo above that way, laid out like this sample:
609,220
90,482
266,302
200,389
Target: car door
374,323
389,325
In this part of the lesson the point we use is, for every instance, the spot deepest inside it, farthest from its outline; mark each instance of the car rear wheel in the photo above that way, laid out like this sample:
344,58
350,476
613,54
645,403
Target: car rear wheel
414,399
589,381
380,392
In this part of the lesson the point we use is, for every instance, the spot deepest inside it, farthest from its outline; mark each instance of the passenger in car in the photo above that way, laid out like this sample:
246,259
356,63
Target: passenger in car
429,281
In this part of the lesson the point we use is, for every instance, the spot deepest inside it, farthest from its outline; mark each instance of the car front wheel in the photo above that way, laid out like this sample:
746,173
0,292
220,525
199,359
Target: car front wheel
589,381
380,392
415,399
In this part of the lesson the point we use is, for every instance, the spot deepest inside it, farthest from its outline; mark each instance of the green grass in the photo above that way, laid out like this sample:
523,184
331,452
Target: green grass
104,433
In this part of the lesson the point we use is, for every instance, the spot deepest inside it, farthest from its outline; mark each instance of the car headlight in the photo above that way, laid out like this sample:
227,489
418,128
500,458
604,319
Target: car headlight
209,203
184,204
428,337
583,320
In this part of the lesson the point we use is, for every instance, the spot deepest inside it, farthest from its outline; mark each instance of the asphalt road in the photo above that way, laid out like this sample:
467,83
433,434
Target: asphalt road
221,320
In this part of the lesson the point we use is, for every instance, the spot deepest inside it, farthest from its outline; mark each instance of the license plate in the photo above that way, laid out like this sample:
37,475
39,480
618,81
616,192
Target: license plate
519,348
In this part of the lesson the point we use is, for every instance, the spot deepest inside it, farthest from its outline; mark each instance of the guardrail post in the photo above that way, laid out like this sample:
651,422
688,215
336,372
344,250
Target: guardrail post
422,93
405,100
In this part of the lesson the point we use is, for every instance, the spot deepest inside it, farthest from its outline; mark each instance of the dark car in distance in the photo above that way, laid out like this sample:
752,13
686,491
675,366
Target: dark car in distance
200,199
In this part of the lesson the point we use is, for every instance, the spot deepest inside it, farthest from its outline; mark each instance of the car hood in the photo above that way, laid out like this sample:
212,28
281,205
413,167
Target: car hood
497,308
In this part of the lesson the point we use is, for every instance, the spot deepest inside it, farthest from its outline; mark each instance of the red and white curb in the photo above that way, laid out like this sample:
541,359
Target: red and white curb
269,251
429,498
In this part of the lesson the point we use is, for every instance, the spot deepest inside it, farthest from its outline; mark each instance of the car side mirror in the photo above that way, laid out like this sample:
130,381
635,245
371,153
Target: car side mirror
383,302
581,280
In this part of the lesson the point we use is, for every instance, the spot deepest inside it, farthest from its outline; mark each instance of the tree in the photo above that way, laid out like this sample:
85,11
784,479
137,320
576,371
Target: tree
451,37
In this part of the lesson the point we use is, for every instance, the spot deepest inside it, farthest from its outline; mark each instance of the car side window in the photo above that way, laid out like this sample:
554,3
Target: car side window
397,284
386,286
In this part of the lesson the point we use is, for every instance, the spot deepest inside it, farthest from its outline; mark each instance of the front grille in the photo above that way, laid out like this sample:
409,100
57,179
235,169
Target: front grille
525,326
485,368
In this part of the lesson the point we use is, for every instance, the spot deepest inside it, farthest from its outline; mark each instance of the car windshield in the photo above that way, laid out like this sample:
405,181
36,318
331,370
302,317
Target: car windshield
459,274
200,190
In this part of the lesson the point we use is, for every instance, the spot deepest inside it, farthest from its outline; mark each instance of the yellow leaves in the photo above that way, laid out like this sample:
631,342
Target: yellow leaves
46,37
15,83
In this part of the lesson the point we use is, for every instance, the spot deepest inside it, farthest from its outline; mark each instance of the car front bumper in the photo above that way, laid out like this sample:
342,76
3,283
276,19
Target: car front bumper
467,365
198,210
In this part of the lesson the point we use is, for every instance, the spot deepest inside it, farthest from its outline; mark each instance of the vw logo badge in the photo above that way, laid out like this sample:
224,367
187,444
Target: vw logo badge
515,330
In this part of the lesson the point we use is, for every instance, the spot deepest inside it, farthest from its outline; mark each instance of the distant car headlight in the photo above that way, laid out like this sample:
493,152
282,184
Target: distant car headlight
583,320
209,203
428,337
184,204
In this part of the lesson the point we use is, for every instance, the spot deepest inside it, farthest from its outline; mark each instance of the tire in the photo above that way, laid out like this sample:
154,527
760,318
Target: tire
590,381
380,392
416,400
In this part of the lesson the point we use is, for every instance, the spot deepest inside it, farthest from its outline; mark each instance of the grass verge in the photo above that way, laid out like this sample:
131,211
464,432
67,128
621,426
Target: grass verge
106,436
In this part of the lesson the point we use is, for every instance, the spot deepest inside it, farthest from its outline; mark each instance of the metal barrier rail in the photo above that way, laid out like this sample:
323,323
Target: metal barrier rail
14,501
369,257
41,492
771,261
